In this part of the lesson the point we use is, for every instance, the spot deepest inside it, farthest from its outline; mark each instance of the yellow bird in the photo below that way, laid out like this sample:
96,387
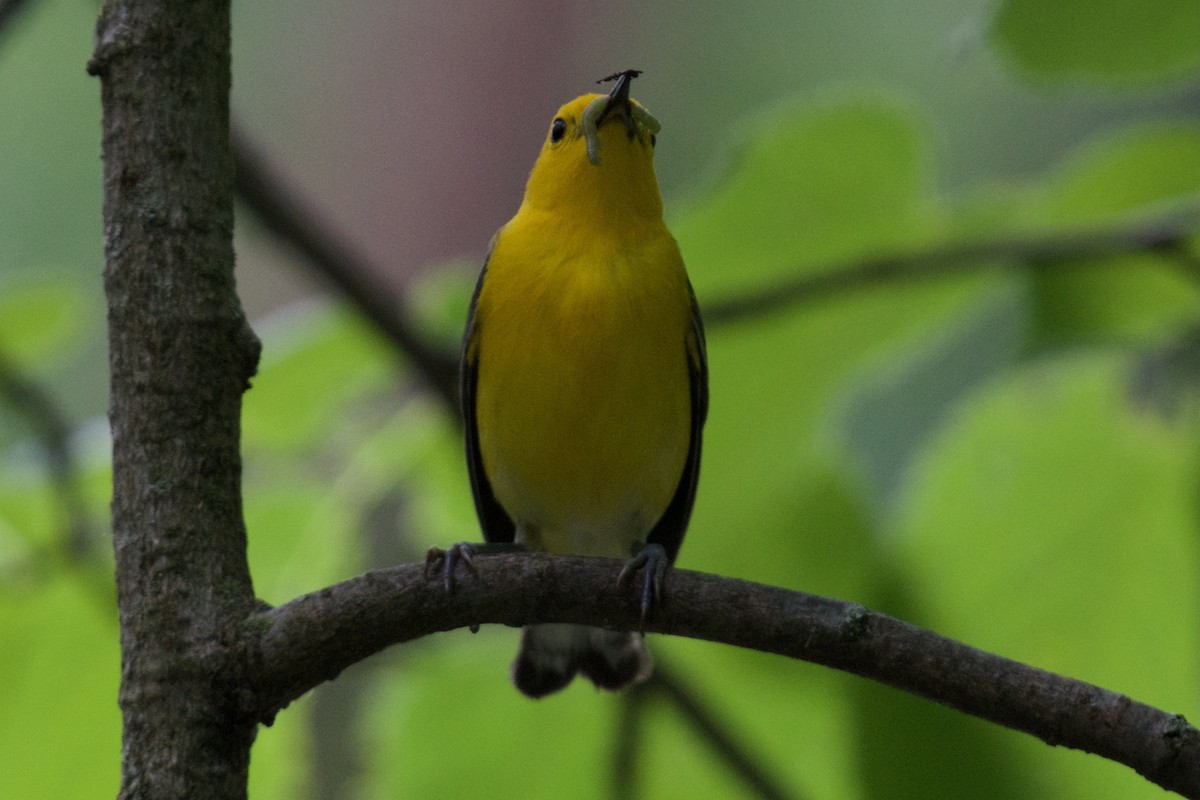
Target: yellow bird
584,380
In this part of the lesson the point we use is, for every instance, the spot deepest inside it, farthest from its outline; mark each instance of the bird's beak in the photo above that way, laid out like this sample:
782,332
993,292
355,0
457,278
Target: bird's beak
618,103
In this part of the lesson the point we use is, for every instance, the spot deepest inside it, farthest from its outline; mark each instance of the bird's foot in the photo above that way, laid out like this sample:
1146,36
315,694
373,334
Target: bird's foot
652,560
446,561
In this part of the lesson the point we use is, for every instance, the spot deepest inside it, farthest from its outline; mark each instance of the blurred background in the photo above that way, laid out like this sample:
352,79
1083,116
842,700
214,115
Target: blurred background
998,441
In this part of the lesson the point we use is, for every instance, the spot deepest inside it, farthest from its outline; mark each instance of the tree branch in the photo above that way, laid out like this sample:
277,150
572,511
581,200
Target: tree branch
264,191
1164,232
294,647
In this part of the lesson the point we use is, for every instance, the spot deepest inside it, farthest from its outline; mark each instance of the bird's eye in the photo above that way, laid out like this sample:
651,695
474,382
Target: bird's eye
558,130
653,140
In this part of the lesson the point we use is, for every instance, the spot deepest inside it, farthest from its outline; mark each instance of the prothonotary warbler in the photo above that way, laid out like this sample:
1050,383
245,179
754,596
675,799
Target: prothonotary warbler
584,379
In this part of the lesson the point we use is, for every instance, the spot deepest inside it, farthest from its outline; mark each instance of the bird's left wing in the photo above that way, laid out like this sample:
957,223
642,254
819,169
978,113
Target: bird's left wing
497,525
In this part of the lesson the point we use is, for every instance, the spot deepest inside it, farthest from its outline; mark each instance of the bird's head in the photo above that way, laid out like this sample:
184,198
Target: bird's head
599,151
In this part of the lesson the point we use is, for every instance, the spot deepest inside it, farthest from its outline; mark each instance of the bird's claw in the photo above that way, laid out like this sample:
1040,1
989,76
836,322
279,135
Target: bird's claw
652,560
448,560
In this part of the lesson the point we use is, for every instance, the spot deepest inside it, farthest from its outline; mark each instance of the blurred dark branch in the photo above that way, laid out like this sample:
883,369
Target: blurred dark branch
9,10
290,649
43,416
703,721
628,740
261,187
1165,233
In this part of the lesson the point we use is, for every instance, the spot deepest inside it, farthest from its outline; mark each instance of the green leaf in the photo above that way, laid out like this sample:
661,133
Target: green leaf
909,747
1138,298
300,537
887,415
816,184
315,359
792,718
1115,41
60,728
1125,170
439,299
1054,523
37,318
1132,173
30,516
281,763
453,691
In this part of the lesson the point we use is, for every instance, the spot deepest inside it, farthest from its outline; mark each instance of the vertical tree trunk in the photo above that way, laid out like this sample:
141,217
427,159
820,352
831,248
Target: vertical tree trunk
181,356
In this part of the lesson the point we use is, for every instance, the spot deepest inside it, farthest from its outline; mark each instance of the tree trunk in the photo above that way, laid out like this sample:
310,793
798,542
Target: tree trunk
181,356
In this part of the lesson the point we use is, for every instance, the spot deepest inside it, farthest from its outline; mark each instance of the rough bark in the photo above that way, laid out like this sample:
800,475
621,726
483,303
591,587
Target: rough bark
181,356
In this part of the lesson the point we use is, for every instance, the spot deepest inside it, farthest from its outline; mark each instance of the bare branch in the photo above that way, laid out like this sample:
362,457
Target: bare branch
264,191
1164,232
292,648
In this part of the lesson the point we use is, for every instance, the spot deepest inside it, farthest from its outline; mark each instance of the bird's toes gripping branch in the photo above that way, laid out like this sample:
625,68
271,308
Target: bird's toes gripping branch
446,561
652,560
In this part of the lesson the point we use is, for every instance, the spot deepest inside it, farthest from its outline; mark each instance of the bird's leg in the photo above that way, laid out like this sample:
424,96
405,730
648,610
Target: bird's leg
464,553
652,560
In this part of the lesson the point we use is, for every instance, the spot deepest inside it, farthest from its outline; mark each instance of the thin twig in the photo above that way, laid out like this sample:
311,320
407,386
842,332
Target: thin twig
1164,232
53,432
290,649
703,720
627,742
260,186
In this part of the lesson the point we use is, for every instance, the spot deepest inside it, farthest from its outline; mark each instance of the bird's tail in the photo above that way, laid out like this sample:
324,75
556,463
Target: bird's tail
550,655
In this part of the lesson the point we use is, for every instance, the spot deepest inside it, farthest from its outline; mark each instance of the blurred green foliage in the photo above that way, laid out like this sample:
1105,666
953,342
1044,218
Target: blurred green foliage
983,455
1104,40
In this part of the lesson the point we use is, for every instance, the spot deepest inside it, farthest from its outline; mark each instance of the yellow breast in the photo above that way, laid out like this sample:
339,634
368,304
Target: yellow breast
583,400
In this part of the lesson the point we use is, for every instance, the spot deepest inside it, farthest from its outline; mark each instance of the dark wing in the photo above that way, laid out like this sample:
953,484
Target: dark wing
669,529
496,524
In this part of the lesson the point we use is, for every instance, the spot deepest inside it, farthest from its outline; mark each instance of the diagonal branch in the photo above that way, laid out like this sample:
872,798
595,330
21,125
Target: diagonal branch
666,685
53,432
290,649
1165,232
260,186
9,10
628,741
705,723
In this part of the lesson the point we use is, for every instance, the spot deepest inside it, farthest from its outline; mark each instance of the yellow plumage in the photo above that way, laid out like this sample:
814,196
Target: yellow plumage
584,384
583,400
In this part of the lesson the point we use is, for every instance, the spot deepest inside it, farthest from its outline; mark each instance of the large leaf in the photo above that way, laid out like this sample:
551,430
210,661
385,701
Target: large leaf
1054,523
316,358
37,318
59,722
1116,41
826,183
1133,173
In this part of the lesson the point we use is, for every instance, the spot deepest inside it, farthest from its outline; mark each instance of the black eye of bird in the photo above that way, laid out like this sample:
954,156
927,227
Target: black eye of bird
653,140
558,130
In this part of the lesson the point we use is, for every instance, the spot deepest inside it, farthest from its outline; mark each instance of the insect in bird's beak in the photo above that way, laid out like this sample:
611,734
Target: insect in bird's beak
618,101
615,104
